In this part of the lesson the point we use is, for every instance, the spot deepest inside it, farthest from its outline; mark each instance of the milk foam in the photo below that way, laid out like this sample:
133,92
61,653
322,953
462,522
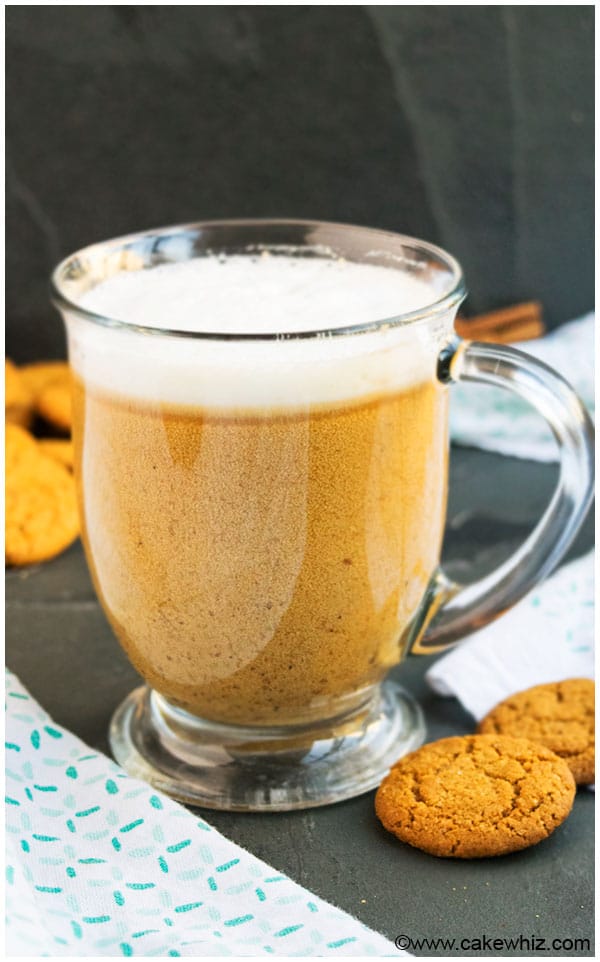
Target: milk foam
261,294
255,294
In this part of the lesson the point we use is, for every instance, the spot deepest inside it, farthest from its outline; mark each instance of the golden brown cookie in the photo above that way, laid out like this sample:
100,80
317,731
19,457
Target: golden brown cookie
559,715
54,404
476,795
58,450
50,385
20,447
18,399
41,516
39,375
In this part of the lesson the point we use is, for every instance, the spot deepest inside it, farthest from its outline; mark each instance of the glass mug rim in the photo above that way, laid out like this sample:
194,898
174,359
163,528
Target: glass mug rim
451,298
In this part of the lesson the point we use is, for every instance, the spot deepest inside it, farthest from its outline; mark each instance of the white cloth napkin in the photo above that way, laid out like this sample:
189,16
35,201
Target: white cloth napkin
497,420
100,864
548,636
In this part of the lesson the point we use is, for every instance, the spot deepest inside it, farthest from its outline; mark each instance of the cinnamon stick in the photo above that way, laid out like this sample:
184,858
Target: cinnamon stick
518,322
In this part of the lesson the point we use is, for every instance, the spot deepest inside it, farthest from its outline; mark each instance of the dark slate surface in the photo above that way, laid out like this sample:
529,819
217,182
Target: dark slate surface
469,126
60,645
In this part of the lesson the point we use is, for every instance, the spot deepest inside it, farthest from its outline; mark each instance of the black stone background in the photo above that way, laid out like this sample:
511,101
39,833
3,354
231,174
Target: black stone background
469,126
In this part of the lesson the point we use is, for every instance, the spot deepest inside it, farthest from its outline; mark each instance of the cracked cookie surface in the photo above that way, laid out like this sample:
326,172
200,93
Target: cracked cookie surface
18,400
54,404
559,716
59,450
50,385
41,516
476,795
41,374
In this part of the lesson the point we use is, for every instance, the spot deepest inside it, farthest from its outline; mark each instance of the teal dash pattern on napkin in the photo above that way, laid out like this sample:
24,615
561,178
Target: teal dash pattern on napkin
100,864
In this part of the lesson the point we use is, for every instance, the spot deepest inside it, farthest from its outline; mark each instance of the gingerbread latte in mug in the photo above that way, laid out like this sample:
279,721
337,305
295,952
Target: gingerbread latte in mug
262,518
260,419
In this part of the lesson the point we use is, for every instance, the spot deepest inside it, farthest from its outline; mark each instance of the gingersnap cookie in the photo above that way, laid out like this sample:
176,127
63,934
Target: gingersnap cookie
54,405
50,384
559,715
41,374
18,399
20,448
473,796
41,517
58,450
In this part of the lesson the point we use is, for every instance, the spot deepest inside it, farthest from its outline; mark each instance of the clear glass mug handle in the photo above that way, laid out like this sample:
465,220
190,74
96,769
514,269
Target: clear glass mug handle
451,610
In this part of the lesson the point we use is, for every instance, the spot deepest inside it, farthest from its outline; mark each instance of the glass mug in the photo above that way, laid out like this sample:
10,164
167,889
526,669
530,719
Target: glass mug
263,515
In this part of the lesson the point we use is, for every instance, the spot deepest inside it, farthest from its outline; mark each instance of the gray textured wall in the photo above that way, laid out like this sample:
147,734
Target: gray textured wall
470,126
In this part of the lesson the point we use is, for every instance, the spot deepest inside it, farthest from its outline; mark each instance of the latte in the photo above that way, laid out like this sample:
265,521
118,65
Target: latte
261,517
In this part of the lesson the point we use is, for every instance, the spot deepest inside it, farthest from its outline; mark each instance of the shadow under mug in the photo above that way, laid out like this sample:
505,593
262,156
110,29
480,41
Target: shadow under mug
263,516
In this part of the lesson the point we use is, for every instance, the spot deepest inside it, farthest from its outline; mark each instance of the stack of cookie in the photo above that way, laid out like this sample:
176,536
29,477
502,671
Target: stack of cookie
41,517
503,789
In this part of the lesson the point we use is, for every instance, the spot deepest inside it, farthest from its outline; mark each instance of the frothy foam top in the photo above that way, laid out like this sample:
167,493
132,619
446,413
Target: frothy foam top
255,294
262,294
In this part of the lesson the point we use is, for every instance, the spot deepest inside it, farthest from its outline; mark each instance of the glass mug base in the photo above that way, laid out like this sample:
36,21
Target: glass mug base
242,769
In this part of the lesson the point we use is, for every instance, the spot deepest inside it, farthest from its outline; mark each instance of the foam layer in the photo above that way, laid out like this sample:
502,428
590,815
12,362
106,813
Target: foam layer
258,294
